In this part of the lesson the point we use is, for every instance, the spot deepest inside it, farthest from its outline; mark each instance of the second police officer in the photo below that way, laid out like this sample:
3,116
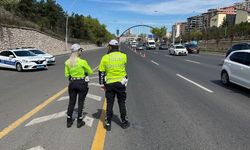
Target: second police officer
76,70
113,77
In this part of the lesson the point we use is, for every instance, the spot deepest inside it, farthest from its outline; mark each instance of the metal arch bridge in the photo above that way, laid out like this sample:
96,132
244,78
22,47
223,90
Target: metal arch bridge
135,26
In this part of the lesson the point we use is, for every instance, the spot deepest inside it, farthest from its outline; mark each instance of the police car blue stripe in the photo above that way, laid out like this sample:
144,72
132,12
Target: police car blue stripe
8,62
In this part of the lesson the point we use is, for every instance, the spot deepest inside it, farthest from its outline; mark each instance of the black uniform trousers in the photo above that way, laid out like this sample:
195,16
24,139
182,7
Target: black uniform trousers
80,88
116,90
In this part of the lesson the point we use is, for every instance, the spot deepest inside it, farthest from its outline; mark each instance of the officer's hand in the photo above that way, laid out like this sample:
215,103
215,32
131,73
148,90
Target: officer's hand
103,87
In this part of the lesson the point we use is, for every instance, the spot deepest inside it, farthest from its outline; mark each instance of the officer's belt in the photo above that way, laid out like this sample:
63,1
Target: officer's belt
72,79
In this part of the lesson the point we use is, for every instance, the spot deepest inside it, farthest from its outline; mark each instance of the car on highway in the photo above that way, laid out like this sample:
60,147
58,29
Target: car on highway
49,58
178,50
133,44
163,46
192,48
236,69
239,46
20,60
151,44
139,46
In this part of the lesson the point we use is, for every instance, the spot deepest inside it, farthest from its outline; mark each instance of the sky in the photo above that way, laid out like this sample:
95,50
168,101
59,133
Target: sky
122,14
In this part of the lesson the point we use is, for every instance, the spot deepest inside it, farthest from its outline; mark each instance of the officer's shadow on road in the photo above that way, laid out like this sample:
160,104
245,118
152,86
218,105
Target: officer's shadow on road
98,114
234,88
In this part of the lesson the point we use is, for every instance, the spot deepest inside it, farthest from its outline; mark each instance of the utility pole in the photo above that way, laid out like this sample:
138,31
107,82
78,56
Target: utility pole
66,26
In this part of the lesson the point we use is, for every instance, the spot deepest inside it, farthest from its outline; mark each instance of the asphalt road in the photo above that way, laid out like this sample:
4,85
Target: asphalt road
174,103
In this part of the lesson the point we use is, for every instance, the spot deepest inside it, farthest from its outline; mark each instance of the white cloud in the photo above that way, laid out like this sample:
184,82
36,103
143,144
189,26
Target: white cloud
173,7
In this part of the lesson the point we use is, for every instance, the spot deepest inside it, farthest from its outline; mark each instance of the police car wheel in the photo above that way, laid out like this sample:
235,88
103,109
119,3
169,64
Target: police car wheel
19,67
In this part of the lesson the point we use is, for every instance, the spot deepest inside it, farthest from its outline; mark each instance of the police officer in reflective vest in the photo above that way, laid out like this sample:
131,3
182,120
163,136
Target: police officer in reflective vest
113,77
76,70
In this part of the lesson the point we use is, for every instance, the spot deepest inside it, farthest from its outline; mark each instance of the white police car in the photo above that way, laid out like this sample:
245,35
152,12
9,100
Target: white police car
49,58
20,59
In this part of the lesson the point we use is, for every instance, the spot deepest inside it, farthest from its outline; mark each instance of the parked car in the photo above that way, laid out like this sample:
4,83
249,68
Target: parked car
163,46
49,58
178,50
240,46
139,46
236,68
20,59
191,48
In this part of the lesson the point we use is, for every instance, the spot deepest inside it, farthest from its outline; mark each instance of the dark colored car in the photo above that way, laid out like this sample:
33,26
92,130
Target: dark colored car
191,48
140,47
163,46
240,46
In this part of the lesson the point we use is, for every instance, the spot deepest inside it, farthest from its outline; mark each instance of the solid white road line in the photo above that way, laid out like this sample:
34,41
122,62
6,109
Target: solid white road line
37,148
88,120
95,84
155,62
95,97
196,62
200,86
47,118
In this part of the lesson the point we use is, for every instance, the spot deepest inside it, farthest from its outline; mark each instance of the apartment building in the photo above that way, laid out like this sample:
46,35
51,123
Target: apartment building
195,22
179,29
243,6
242,16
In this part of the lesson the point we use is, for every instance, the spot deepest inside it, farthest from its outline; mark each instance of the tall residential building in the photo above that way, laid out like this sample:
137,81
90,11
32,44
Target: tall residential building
179,29
217,20
195,22
242,16
243,6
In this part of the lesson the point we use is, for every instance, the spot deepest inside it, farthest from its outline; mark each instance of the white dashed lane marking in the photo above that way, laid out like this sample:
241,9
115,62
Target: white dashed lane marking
200,86
195,62
154,62
37,148
88,120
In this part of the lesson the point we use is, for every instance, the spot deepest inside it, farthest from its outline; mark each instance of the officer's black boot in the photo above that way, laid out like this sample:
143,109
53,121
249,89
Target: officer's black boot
69,122
108,125
125,123
80,123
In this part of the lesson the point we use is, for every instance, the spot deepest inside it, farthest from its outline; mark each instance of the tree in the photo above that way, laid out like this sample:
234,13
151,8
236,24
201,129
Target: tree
143,36
159,32
196,35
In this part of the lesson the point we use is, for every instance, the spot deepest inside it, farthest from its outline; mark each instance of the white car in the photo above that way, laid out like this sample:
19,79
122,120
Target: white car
236,68
20,59
49,58
151,44
133,45
178,50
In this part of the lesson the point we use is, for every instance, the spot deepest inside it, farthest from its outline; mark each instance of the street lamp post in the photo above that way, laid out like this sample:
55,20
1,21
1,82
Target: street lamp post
66,26
66,33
